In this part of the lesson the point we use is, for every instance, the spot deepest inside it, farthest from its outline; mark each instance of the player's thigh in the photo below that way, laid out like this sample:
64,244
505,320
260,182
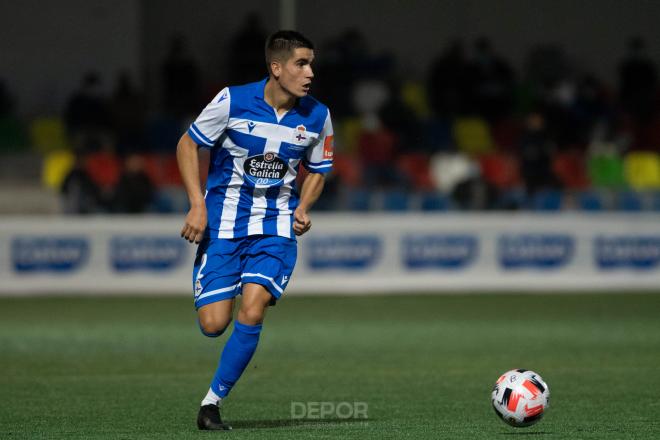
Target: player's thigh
255,299
217,271
269,262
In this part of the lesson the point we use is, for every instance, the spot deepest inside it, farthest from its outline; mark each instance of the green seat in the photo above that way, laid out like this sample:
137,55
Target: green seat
606,171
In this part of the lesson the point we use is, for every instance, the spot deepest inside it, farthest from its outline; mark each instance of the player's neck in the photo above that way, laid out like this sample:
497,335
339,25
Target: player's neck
278,98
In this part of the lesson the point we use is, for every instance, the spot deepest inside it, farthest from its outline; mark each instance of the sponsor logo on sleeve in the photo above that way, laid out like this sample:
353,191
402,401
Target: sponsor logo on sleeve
49,254
439,251
328,148
539,251
627,252
132,253
355,252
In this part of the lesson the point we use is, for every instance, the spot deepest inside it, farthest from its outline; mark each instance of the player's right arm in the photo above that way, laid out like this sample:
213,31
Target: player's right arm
204,132
188,159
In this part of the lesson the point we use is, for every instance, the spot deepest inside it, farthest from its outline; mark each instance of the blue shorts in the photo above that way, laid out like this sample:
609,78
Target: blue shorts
222,266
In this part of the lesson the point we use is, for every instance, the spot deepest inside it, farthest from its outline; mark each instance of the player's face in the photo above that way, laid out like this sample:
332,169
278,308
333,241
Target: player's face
295,75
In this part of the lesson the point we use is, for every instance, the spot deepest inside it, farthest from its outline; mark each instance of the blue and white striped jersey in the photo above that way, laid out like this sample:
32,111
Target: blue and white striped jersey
255,155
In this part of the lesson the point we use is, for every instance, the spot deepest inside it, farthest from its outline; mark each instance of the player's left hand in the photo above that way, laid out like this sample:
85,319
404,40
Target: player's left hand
301,221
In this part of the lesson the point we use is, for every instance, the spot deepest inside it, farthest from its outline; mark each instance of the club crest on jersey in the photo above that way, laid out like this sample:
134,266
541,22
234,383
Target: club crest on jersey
300,134
265,169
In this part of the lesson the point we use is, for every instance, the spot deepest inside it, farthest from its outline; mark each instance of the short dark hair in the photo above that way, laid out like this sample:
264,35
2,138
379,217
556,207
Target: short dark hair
281,45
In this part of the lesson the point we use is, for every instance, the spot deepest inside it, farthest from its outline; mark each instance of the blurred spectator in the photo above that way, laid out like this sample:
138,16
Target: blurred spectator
246,51
135,190
346,60
87,115
448,84
402,120
377,153
80,195
7,101
181,79
492,82
536,149
638,80
128,115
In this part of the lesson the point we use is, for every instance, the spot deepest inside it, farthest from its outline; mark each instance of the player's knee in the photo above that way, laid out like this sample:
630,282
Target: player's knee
212,326
251,315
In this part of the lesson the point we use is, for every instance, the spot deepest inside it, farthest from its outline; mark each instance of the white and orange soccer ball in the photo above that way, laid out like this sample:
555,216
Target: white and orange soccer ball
520,397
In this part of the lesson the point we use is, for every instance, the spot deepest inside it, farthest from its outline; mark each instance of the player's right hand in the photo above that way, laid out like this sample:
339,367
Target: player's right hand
195,224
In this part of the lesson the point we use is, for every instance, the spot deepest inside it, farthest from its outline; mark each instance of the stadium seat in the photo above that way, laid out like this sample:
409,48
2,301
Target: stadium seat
358,200
630,201
48,134
347,168
511,199
413,94
569,167
472,136
415,166
606,171
433,201
56,166
642,170
547,200
348,133
396,200
589,201
104,168
500,170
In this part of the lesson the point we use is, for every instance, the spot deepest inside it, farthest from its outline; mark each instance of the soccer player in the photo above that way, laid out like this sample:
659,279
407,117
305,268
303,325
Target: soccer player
246,223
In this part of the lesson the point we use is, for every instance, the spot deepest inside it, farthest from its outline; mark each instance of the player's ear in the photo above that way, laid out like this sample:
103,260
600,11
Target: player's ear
276,68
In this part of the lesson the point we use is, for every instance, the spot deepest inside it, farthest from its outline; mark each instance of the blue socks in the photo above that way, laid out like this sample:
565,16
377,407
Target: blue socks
235,356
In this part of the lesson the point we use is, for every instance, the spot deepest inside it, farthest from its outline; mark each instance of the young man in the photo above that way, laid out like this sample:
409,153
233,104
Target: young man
246,223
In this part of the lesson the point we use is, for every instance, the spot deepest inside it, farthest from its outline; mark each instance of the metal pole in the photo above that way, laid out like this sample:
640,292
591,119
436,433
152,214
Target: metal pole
288,14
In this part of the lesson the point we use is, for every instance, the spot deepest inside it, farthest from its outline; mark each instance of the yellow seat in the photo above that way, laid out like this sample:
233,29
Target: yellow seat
56,166
414,96
348,132
642,170
48,134
472,136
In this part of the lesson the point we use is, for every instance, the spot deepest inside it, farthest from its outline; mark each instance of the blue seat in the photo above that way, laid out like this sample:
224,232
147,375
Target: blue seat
358,200
435,202
590,201
629,201
396,201
548,200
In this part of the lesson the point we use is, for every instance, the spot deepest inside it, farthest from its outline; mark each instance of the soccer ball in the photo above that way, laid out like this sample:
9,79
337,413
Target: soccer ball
520,397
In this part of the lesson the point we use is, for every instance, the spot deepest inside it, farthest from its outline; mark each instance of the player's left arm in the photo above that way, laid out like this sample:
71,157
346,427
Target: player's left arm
309,193
318,162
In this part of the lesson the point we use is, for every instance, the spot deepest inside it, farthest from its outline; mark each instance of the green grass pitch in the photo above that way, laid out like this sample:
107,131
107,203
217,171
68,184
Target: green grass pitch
137,367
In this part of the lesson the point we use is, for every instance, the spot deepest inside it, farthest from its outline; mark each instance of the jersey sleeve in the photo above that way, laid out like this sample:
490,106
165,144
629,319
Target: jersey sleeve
212,121
319,157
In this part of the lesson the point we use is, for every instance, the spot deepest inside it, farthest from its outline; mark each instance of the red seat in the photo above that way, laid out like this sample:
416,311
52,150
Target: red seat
570,168
416,167
501,170
104,168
